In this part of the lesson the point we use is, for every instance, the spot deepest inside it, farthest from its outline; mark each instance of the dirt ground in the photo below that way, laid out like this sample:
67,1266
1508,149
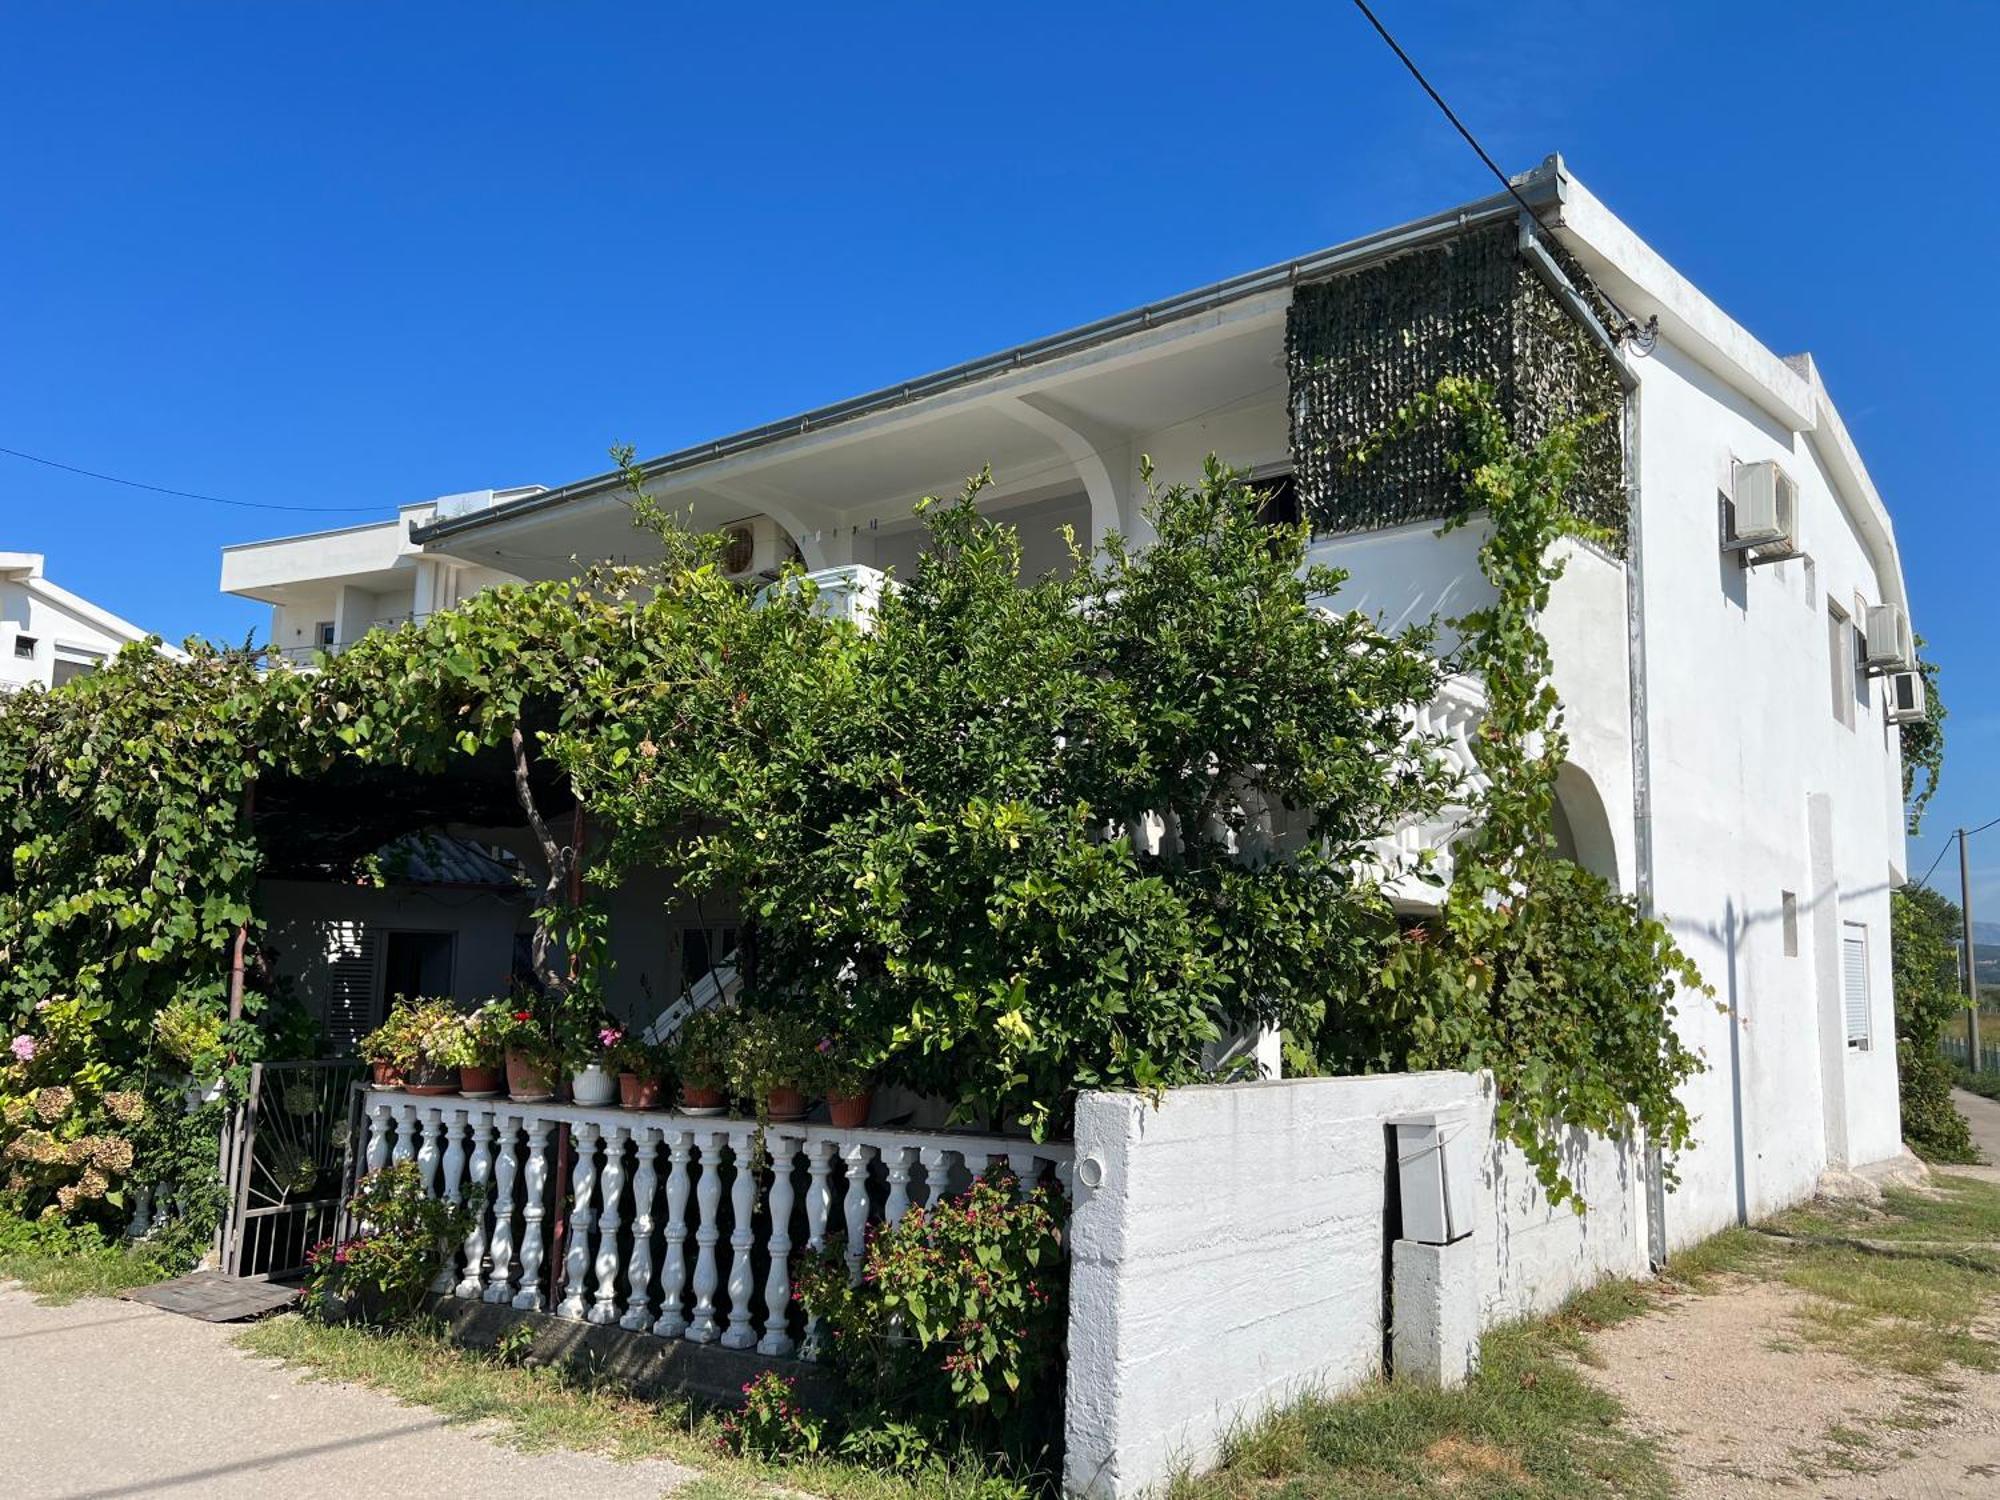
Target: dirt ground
1743,1407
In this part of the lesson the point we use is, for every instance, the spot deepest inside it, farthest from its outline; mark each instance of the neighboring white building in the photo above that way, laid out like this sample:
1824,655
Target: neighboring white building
47,634
327,589
1732,764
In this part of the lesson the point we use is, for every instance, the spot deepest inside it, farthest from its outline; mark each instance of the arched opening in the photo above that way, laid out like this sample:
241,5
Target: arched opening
1582,831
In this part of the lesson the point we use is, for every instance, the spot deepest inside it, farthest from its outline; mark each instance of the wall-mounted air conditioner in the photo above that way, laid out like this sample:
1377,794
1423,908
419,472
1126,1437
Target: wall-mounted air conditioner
756,548
1890,647
1764,514
1906,698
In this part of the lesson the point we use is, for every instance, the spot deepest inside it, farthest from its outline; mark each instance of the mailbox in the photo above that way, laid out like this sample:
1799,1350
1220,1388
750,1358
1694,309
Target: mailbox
1434,1169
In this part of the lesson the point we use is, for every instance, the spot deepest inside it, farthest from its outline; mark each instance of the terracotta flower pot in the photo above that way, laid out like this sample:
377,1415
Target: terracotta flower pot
479,1083
699,1100
635,1092
424,1079
782,1103
387,1074
592,1086
529,1079
849,1111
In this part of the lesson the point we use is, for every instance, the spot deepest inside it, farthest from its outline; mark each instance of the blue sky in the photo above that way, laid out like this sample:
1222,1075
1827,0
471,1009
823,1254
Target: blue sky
341,255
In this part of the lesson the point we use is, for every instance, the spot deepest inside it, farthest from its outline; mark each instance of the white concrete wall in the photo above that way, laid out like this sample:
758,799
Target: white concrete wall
1229,1253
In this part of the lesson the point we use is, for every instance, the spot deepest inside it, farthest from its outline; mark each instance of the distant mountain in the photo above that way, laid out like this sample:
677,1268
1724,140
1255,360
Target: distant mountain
1986,932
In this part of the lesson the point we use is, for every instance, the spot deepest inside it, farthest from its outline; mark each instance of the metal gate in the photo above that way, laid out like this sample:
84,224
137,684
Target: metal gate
287,1154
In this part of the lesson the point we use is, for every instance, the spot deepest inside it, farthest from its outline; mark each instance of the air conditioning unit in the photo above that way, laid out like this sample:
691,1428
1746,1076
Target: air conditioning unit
1765,507
1906,698
756,548
1890,647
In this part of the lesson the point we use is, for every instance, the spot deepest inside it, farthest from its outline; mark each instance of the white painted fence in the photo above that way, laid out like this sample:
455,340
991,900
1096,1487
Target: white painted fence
667,1234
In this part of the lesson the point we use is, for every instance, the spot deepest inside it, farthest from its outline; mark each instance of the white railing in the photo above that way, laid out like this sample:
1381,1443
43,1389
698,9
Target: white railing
666,1232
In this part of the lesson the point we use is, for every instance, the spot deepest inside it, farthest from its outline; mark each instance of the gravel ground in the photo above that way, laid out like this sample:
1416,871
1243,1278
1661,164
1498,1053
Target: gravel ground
104,1399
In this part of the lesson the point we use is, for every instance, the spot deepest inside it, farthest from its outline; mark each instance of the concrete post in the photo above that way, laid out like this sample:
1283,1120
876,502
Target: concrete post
1434,1332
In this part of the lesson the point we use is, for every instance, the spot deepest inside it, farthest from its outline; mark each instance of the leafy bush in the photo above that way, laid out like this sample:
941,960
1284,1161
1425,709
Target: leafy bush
957,1321
382,1273
1922,928
1932,1125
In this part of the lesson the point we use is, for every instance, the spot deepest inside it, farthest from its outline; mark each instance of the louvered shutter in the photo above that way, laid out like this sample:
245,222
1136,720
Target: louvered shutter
350,984
1854,982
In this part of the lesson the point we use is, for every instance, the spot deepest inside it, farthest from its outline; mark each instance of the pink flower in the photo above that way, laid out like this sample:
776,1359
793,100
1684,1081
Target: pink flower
24,1048
610,1036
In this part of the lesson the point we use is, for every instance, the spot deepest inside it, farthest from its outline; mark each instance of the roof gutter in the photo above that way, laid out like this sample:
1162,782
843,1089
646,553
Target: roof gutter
1542,188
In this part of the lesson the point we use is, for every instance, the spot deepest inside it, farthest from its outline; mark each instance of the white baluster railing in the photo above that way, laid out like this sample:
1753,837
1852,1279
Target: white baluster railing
665,1228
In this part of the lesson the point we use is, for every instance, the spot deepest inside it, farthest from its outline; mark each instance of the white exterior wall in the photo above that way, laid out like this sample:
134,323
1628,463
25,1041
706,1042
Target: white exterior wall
1742,735
1231,1255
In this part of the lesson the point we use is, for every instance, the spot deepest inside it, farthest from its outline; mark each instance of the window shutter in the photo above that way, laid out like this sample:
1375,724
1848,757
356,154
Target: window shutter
1854,982
350,984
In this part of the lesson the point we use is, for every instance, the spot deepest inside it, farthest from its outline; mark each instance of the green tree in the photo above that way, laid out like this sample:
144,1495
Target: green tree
1924,927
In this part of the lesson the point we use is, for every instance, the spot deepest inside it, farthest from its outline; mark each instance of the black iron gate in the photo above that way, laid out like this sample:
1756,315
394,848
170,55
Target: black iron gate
287,1154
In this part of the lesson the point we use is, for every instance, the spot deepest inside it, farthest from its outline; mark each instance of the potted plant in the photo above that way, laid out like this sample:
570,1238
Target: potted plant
592,1080
642,1070
849,1085
486,1033
699,1056
529,1052
436,1044
191,1034
774,1056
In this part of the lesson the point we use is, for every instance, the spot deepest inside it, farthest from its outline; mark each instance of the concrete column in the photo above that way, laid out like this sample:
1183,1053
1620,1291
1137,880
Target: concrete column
1434,1332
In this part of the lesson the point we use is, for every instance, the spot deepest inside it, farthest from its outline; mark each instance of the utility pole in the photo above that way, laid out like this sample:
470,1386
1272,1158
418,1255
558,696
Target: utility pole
1971,952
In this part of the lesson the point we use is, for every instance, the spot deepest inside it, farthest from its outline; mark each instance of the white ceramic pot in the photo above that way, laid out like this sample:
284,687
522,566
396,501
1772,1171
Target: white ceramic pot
592,1085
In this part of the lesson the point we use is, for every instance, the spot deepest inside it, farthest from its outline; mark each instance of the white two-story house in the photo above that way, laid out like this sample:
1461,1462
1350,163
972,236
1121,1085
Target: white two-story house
1732,665
49,635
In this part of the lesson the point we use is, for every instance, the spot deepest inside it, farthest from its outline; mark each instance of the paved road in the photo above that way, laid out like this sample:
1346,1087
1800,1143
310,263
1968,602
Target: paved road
110,1399
1983,1115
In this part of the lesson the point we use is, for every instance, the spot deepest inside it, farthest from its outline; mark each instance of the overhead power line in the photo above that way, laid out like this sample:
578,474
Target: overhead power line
1438,99
161,489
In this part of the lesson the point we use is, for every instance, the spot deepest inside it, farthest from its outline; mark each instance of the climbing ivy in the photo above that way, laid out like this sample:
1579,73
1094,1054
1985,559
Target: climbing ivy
1923,746
1535,968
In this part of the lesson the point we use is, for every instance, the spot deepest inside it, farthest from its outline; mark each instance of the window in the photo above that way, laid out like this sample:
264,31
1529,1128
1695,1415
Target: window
24,647
416,963
1840,655
1789,904
73,662
1858,635
1854,982
323,633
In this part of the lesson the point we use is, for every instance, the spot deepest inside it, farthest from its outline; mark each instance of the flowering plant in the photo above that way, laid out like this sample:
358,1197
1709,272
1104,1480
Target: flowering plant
516,1026
383,1271
771,1423
959,1313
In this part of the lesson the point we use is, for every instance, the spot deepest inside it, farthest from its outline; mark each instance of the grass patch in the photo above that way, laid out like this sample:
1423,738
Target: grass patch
60,1264
1901,1288
537,1409
1528,1425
